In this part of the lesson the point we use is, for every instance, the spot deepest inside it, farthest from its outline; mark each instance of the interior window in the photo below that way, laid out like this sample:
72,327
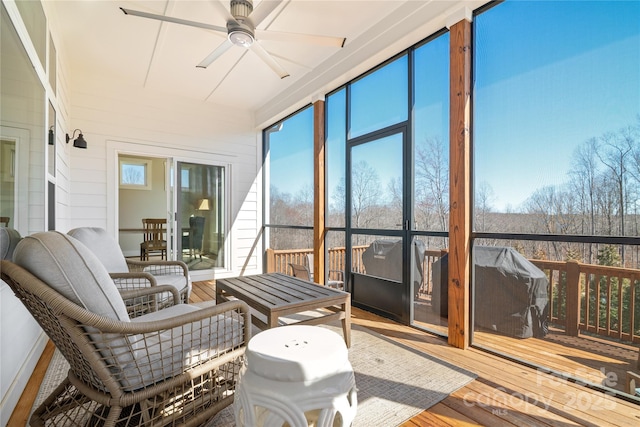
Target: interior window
134,173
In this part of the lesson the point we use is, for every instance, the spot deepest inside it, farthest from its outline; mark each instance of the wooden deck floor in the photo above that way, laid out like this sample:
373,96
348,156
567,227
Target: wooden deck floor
594,359
504,394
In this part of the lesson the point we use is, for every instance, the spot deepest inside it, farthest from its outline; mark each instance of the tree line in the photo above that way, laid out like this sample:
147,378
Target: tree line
599,197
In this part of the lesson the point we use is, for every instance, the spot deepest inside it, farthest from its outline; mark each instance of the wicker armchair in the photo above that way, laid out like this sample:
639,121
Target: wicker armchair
177,366
129,274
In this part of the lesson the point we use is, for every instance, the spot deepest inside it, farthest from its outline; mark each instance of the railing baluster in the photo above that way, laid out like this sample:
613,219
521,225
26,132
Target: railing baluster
620,288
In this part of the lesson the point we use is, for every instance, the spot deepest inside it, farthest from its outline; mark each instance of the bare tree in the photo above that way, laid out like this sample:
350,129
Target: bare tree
614,152
432,179
483,197
365,193
132,174
584,174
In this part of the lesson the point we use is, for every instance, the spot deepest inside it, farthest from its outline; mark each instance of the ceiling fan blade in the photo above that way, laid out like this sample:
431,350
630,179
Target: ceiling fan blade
300,38
263,10
217,53
223,10
268,59
174,20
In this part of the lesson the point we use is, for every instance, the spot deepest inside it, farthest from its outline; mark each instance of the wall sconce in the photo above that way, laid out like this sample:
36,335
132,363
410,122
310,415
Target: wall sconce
52,136
203,205
79,142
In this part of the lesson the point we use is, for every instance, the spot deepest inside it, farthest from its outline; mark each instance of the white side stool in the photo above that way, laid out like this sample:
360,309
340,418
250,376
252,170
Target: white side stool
296,376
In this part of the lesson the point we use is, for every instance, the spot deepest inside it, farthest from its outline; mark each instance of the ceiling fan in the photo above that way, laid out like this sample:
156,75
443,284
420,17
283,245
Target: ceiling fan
241,31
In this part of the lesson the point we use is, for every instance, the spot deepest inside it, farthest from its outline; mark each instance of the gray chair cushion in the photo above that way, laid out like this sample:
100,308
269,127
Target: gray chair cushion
104,246
9,238
73,270
166,355
178,281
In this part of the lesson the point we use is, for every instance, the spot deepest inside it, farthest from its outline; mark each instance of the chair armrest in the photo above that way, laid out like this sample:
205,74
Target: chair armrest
143,354
147,300
159,267
133,280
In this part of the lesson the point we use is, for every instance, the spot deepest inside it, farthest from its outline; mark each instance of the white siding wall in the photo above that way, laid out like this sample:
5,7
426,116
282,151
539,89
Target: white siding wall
21,339
116,118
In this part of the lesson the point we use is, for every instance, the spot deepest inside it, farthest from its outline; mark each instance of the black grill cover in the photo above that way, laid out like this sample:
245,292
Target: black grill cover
511,294
383,258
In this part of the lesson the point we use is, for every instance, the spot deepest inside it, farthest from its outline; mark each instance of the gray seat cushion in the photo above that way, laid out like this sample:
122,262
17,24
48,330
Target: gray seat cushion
103,246
178,281
70,268
108,251
9,238
167,354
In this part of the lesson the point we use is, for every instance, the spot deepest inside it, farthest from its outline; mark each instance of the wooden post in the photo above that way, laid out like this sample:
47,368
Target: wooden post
319,193
459,183
271,261
572,308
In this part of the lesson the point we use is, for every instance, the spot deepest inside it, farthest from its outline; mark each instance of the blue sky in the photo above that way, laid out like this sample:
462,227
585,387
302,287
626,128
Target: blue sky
548,76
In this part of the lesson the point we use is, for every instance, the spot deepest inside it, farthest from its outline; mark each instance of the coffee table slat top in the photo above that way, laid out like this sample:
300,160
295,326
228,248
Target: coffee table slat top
277,294
276,290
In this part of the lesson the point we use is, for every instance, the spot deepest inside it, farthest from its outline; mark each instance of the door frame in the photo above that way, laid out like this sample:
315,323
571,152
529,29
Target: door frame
115,149
397,303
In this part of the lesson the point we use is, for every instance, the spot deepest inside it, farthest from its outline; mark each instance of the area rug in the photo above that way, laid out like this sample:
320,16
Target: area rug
394,382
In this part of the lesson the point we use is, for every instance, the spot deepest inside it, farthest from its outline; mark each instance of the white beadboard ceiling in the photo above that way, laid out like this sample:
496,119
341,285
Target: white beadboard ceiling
159,56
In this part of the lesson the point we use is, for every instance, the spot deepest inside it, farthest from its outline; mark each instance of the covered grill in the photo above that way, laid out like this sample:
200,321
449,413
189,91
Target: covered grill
383,258
511,294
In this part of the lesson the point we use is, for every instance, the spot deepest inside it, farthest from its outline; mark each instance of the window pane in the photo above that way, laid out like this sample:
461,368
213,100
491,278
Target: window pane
290,171
335,146
34,19
557,150
284,238
52,64
133,174
431,135
202,222
376,184
379,99
556,118
23,132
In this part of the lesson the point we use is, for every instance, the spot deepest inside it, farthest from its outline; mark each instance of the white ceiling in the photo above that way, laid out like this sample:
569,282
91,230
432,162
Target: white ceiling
160,56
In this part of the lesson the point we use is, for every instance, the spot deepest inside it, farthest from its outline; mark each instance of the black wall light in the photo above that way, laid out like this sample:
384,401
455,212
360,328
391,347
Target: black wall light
79,142
52,136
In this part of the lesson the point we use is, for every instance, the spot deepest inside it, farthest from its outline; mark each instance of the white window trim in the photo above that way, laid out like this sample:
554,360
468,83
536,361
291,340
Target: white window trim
147,163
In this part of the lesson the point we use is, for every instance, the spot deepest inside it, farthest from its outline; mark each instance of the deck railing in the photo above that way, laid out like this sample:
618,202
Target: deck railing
278,262
582,297
593,298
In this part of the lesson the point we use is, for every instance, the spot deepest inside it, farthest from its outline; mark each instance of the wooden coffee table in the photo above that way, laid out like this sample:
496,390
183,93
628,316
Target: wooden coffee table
275,295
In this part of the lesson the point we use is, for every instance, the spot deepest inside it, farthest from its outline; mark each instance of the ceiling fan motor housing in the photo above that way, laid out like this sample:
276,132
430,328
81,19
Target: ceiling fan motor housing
241,9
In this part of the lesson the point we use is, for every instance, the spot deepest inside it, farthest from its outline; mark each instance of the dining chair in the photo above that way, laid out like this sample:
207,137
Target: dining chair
154,240
335,279
194,242
303,272
300,271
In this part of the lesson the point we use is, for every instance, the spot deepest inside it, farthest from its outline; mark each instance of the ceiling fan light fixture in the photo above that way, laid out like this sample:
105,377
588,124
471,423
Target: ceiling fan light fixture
240,36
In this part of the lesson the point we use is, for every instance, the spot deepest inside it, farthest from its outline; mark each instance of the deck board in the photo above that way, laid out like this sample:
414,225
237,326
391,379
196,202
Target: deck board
505,393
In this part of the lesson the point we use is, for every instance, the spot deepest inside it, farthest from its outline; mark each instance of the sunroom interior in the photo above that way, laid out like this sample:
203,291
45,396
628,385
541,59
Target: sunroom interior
470,169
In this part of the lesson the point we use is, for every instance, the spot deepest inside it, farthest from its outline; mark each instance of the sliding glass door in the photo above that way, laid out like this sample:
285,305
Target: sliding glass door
200,215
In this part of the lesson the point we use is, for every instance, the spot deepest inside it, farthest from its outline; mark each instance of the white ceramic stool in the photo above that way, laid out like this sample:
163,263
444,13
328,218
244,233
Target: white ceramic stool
296,376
